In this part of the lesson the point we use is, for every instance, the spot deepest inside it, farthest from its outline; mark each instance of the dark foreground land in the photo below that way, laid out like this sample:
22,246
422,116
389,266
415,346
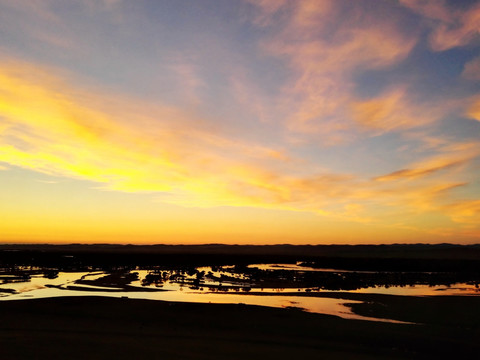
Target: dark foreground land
116,328
440,327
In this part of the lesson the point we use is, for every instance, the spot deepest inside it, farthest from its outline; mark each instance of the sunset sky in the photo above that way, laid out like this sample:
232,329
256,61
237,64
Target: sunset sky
240,121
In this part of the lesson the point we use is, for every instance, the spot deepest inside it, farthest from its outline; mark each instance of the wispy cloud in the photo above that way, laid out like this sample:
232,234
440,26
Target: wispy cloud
190,83
325,53
465,212
127,145
129,150
244,120
473,111
124,144
430,166
452,26
471,70
48,181
394,110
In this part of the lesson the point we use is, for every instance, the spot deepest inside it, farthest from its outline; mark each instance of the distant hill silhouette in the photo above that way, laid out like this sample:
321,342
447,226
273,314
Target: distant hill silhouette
396,257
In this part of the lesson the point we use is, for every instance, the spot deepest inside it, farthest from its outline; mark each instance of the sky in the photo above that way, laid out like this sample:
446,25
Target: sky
240,121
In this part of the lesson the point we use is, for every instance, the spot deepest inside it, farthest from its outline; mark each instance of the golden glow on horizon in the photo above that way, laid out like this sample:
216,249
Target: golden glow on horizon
121,157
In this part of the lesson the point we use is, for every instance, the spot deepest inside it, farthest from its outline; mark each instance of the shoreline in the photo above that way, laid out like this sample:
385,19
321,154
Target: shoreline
431,309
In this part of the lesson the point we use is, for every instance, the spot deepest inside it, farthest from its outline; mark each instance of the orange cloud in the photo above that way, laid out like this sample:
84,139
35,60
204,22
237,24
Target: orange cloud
393,110
266,9
465,212
324,52
434,9
471,70
429,167
446,37
426,186
474,110
188,79
123,144
50,127
452,27
254,101
414,173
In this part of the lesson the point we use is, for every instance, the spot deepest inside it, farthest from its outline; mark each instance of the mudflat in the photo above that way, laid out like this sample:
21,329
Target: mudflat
119,328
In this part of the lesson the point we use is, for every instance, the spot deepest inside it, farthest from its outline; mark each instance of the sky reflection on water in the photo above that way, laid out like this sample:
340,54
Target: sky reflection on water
41,287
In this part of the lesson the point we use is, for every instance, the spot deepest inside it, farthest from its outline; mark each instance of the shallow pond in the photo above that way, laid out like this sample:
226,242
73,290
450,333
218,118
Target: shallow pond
65,285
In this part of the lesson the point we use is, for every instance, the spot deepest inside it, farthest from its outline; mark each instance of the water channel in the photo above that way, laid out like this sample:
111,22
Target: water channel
209,291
